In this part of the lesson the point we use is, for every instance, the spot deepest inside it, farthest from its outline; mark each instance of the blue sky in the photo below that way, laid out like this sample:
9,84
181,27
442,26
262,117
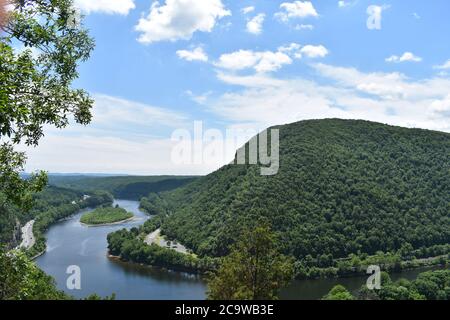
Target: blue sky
159,67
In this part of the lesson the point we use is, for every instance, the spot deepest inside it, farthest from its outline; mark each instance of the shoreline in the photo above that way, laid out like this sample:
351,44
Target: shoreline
337,277
39,254
168,269
108,224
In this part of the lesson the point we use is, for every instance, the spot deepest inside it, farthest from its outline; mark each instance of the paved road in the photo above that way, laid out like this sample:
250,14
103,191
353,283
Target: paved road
27,235
156,238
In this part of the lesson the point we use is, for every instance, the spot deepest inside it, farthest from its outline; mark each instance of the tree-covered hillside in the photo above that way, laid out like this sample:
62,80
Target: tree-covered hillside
343,187
122,187
105,215
49,206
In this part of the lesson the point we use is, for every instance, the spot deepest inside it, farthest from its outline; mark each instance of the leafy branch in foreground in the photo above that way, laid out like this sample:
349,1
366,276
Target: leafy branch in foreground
21,279
42,45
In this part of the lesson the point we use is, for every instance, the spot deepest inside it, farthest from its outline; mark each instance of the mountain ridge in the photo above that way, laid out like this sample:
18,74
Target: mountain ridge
343,187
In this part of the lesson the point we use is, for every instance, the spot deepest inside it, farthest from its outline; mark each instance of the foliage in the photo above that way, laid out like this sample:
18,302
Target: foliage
430,285
21,279
344,187
254,270
339,292
16,190
39,55
96,297
36,84
152,224
130,247
153,204
50,205
122,187
12,217
105,216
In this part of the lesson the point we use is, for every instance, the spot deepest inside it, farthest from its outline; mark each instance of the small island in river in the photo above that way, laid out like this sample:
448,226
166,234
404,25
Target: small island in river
105,216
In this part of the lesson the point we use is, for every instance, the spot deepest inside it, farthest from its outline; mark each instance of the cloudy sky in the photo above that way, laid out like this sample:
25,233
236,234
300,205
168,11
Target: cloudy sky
160,66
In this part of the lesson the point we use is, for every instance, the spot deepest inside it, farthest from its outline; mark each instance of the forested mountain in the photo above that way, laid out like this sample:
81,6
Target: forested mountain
122,187
344,187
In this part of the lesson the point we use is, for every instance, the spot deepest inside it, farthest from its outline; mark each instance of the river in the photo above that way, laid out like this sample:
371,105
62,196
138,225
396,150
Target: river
70,243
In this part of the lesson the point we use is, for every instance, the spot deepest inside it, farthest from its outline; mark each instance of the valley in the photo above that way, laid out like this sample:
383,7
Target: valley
335,213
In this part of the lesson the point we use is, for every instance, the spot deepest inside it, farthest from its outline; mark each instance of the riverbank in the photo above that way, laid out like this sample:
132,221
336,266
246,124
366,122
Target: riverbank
45,219
106,216
109,224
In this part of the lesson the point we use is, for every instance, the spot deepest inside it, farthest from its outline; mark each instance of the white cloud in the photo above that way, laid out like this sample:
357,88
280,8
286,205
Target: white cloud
238,60
304,27
179,19
112,155
314,51
441,107
345,4
198,54
293,49
268,61
118,112
124,137
122,7
255,24
262,61
248,10
348,93
310,51
406,57
200,99
444,66
416,15
296,9
272,61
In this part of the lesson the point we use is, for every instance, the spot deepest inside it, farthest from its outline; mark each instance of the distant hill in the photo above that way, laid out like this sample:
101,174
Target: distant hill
123,187
343,187
12,218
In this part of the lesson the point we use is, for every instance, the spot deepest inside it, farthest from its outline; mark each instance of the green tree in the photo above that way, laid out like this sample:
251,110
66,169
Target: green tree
254,270
339,292
41,45
21,279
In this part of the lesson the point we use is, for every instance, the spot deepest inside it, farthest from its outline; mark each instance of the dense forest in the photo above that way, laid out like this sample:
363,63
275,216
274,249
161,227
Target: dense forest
430,285
121,187
105,215
49,206
345,189
129,245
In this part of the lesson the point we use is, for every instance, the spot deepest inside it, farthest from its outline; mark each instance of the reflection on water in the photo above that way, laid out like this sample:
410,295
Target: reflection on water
156,273
316,289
